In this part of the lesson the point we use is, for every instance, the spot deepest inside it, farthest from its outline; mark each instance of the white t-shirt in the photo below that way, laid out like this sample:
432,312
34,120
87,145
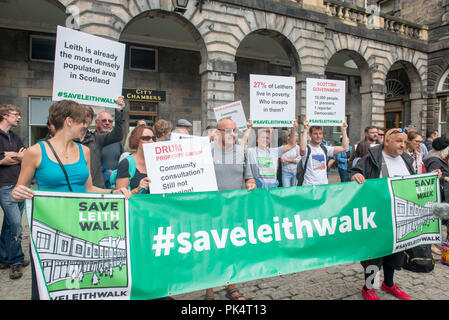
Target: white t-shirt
395,166
316,171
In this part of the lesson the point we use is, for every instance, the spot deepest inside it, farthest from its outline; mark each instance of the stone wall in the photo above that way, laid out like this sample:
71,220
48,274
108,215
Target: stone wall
178,76
429,12
20,77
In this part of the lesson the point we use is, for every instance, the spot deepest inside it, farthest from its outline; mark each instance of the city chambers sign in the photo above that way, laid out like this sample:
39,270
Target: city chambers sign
143,95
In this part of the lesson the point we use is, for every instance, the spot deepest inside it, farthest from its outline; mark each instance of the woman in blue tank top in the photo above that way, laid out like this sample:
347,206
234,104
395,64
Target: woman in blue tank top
50,161
68,119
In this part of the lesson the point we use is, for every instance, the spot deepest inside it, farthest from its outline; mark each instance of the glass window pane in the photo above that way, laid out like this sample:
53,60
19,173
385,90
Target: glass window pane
43,48
39,110
446,84
142,59
443,118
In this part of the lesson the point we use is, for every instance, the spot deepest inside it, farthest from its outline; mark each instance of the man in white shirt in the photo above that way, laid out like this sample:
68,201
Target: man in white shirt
315,154
387,160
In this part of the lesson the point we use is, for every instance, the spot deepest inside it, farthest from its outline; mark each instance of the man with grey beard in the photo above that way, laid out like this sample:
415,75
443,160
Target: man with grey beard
110,154
96,141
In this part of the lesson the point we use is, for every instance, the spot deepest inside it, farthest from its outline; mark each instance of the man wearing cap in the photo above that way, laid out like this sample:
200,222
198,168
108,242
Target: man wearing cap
385,160
183,126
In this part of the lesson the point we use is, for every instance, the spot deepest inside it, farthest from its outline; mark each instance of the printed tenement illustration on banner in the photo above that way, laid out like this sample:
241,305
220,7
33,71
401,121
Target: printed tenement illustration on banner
89,255
412,202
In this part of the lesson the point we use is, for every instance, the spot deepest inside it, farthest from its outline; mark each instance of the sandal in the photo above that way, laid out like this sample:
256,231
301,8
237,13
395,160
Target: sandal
232,296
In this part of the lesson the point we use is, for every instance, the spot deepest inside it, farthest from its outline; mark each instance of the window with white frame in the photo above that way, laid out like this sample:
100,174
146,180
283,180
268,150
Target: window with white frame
42,240
444,83
443,99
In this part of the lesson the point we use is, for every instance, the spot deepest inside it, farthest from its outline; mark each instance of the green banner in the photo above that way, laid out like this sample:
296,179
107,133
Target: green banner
103,247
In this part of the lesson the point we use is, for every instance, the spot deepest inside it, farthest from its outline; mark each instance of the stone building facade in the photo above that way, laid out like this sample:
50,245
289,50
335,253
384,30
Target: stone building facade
394,65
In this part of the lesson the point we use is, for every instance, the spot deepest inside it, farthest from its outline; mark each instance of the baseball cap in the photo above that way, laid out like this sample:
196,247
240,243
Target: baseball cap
183,123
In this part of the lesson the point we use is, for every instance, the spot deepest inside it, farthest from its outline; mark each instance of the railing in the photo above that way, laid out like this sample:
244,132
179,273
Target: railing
372,19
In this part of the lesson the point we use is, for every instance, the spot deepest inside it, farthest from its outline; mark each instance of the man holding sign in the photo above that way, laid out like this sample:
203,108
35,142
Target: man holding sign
96,141
315,155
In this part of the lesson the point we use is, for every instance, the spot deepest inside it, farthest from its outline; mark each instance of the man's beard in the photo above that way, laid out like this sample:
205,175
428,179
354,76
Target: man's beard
105,130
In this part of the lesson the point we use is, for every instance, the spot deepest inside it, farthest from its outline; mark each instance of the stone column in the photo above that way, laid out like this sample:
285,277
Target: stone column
372,107
378,106
217,88
417,111
365,112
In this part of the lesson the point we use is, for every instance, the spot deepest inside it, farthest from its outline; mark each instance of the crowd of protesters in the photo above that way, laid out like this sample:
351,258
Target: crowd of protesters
72,158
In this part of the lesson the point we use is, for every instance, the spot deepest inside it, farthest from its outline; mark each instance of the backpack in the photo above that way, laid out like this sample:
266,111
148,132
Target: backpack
419,259
131,171
300,170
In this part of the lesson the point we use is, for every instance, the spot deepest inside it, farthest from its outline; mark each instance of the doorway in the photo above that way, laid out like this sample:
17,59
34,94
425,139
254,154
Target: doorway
393,120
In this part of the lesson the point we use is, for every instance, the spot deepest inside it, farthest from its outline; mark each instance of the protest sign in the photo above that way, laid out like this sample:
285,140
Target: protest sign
152,245
183,165
272,101
177,136
87,69
234,111
325,102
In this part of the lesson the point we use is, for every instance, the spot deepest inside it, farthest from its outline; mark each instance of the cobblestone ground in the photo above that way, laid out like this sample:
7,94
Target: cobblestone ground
343,282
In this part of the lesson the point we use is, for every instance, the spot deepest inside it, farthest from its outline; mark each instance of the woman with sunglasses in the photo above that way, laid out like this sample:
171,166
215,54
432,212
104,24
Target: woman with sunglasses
413,148
132,171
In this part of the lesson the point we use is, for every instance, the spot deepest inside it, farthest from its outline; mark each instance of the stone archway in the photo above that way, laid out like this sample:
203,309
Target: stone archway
267,52
404,98
179,51
349,65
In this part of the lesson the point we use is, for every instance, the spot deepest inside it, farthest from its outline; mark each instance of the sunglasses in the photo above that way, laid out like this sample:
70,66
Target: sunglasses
107,120
236,130
399,131
148,138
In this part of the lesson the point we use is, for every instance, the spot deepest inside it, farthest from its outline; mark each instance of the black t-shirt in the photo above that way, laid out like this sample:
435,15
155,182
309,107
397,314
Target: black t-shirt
123,172
9,142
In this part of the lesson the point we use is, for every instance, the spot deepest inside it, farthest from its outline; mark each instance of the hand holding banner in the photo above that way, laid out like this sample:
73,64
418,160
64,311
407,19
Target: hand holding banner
194,241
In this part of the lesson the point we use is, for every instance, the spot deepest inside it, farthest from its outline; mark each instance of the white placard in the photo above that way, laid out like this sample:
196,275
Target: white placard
87,69
183,165
272,101
234,111
325,103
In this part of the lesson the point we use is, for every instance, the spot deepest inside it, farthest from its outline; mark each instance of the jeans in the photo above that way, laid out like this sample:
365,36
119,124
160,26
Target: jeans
343,174
289,179
260,184
11,234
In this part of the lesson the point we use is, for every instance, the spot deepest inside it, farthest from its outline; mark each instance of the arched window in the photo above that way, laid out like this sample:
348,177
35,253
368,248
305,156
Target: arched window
395,88
443,94
444,82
